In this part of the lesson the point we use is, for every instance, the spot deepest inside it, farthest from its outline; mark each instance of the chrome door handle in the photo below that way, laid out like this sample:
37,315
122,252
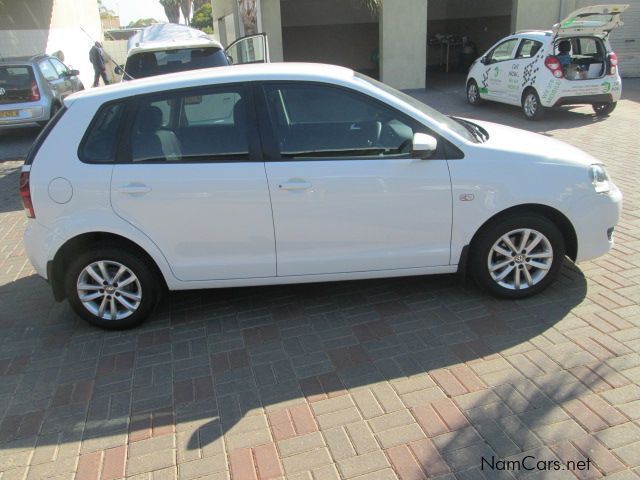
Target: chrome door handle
134,189
295,185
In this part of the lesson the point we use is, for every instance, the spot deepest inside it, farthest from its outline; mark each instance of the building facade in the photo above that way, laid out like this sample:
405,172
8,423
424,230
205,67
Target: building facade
404,40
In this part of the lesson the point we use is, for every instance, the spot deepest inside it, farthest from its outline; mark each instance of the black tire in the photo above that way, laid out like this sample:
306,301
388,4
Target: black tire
147,282
473,93
491,235
604,109
531,106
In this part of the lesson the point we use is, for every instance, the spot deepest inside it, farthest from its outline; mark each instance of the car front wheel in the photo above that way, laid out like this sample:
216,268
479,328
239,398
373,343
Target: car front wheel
531,106
473,93
111,288
518,256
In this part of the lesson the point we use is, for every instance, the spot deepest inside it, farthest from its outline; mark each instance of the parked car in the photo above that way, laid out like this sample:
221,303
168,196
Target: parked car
572,64
289,173
32,89
169,48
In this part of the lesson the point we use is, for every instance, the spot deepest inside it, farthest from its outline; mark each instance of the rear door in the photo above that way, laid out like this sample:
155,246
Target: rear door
347,194
597,20
249,49
191,177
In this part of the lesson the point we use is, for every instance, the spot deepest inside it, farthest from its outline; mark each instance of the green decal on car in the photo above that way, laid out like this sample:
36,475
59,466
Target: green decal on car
606,87
484,90
569,22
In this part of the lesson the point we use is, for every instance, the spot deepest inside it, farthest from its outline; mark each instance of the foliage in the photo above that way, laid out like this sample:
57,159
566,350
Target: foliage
142,22
104,11
203,18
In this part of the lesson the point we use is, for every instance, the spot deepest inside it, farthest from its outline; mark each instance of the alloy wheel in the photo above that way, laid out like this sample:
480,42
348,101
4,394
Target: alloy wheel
530,105
520,259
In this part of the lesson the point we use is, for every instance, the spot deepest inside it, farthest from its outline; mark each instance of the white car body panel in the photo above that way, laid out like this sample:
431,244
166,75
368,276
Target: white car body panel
406,202
597,20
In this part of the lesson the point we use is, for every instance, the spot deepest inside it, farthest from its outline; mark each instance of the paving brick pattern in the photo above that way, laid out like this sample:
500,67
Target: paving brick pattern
388,379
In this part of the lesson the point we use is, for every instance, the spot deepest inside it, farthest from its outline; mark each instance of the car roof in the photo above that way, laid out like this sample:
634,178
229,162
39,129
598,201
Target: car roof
210,76
540,34
23,60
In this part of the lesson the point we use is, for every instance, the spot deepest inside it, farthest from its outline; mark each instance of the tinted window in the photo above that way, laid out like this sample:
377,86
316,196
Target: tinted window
100,141
16,82
147,64
200,126
503,51
528,48
47,70
322,121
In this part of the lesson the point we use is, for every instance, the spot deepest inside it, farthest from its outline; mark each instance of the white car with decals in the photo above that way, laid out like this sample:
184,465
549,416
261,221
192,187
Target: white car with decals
572,64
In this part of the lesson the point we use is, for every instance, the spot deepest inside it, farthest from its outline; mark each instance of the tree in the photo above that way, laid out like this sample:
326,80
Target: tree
185,6
104,11
197,4
203,18
171,10
142,22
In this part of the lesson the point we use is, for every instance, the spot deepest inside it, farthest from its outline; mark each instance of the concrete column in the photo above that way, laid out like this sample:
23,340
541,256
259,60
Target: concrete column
272,26
403,43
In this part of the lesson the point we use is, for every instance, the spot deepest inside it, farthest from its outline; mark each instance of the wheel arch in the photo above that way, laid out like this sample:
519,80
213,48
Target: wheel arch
57,267
559,219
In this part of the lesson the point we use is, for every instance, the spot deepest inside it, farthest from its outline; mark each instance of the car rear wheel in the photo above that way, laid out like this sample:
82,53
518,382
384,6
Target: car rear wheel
531,106
604,109
517,256
111,288
473,93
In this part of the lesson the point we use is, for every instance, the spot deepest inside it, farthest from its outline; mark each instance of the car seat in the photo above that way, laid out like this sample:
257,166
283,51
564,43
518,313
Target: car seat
152,141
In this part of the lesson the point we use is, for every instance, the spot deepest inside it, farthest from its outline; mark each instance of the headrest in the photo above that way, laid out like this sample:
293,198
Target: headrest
150,119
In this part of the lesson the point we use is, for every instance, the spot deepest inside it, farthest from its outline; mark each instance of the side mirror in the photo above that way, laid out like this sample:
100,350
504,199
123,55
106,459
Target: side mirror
423,145
118,70
74,73
484,60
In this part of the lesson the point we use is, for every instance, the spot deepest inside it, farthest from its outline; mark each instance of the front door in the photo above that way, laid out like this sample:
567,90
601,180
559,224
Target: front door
249,49
499,66
194,182
347,195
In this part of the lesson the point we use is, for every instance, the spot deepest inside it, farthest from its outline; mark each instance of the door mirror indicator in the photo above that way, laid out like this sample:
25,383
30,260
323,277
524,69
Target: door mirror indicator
74,73
118,70
424,145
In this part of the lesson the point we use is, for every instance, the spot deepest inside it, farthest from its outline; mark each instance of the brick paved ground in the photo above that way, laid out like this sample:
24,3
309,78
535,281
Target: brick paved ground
405,378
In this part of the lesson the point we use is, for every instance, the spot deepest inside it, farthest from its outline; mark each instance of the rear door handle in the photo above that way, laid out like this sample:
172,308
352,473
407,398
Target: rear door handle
295,185
134,189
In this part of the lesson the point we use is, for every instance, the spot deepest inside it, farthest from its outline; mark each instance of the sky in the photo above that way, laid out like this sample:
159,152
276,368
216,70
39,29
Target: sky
132,10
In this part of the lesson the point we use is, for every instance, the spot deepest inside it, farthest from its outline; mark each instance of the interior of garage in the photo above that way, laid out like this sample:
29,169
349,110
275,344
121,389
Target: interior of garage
464,28
340,32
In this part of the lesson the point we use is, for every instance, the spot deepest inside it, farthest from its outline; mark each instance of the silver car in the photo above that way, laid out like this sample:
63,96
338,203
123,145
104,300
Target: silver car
32,89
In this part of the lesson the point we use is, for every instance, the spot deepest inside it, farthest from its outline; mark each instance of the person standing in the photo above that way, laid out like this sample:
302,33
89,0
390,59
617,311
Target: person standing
96,56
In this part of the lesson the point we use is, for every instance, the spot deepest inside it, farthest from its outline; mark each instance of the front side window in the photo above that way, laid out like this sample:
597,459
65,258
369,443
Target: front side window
528,48
503,51
47,70
60,68
191,126
100,141
313,120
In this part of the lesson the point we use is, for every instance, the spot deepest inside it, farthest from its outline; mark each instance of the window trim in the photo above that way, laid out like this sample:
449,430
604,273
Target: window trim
270,140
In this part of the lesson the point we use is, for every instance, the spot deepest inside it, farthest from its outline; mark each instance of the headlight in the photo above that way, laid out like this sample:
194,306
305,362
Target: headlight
599,178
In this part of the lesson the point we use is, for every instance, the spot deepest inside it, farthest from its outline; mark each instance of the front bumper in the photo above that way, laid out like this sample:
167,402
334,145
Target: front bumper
594,220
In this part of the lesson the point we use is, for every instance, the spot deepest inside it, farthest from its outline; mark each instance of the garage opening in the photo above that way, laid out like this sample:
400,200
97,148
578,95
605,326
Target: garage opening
459,31
339,32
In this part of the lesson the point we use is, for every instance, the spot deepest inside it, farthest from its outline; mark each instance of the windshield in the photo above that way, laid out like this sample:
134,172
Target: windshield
442,120
147,64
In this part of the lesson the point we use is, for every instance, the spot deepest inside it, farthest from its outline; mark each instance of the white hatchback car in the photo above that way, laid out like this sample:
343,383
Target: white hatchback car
571,65
288,173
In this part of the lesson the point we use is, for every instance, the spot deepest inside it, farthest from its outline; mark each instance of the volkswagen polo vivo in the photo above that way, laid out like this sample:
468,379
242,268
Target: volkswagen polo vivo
572,64
288,173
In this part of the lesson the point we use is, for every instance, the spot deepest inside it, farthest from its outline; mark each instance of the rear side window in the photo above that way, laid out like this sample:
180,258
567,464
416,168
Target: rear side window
528,48
99,144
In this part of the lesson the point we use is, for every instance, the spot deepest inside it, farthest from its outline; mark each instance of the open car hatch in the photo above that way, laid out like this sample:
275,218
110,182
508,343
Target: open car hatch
597,20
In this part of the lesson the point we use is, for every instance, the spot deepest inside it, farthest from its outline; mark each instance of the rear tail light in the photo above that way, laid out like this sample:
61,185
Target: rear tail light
553,63
35,92
25,194
613,64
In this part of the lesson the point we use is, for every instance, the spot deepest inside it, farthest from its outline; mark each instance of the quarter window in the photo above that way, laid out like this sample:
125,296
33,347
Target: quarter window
503,51
100,141
528,48
191,126
322,121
